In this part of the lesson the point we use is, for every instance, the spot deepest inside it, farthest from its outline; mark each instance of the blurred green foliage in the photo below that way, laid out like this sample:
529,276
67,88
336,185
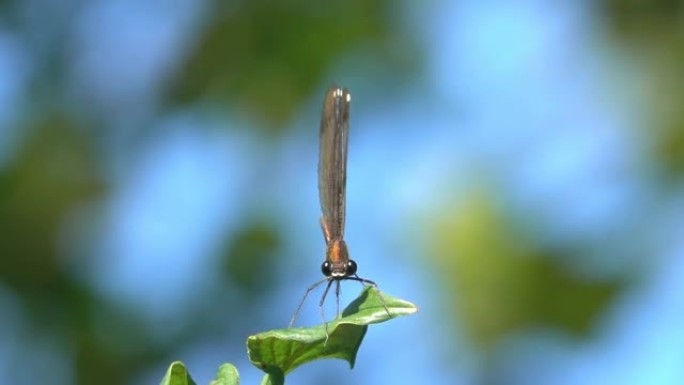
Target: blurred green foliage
265,57
502,283
251,258
652,30
55,171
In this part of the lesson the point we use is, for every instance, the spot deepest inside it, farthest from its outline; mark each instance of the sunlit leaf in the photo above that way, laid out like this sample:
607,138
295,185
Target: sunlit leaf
278,352
226,375
177,374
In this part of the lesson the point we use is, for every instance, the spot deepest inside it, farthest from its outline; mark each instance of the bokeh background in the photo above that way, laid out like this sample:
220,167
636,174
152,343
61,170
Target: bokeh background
515,169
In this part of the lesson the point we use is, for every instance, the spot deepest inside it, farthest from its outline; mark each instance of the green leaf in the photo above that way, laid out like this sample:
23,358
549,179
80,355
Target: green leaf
177,375
278,352
226,375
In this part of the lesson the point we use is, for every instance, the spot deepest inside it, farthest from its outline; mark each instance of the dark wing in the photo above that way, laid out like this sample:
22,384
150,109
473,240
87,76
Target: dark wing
332,162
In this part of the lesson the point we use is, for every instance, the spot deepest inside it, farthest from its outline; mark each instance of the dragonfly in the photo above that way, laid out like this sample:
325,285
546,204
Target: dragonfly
332,185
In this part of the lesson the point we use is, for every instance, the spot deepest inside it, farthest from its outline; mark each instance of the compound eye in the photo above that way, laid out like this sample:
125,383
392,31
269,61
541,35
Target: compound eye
351,267
326,268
